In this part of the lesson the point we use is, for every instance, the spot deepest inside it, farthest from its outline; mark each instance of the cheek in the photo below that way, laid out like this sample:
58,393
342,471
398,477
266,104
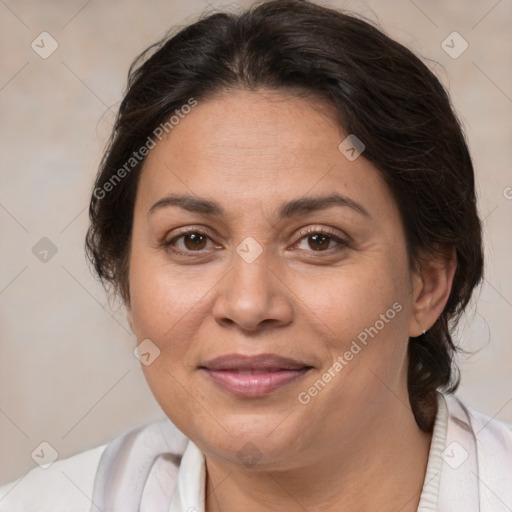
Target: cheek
168,308
367,347
367,311
164,301
354,299
167,311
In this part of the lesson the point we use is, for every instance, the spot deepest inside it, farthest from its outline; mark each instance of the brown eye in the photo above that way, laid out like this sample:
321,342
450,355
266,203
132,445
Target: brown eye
194,241
319,241
188,242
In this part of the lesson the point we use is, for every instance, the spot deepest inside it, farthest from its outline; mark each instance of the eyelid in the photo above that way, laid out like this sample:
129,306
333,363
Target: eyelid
184,231
324,230
342,240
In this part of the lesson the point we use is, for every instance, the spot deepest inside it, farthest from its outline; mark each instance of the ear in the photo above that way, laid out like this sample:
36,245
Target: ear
432,285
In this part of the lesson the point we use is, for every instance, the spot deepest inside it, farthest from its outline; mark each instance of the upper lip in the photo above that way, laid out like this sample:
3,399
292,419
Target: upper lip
259,362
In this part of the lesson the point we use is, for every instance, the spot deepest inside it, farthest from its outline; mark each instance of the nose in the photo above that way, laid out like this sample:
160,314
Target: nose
253,296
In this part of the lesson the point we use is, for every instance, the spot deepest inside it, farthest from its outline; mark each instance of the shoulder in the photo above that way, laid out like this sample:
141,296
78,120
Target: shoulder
118,469
66,482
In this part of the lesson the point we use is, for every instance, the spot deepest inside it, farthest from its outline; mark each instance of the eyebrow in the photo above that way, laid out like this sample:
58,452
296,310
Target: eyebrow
287,210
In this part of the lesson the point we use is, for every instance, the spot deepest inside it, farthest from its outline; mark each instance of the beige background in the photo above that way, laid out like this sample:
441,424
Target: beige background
67,372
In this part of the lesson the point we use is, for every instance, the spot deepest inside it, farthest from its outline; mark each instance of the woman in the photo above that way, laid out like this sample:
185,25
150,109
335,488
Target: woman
287,209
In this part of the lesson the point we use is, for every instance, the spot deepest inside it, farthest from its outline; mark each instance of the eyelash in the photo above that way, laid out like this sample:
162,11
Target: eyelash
342,244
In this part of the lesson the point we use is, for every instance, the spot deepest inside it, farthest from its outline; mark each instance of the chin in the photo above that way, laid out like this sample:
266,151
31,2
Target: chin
249,440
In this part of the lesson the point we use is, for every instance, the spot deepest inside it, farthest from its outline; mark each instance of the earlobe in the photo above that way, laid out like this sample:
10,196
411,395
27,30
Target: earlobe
431,290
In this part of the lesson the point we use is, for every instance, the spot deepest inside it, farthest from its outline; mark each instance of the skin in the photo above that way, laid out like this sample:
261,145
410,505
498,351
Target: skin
355,445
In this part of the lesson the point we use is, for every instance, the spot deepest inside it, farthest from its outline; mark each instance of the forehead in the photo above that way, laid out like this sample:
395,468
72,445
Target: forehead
258,147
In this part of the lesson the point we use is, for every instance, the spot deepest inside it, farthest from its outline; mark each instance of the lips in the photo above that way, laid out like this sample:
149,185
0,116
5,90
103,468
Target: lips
261,363
253,376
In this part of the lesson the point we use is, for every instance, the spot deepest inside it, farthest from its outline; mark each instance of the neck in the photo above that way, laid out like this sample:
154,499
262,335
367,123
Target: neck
381,469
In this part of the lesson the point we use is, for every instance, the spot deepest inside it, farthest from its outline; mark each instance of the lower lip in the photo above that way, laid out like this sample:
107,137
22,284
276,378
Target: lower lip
255,384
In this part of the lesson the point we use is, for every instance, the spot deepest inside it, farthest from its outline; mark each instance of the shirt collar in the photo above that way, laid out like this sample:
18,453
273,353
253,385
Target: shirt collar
189,493
430,491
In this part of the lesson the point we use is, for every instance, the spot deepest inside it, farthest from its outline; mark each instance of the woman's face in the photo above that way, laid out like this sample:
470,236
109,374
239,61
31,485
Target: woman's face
263,279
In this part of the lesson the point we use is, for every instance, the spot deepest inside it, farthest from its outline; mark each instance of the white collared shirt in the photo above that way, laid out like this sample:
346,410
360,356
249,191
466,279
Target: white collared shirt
155,468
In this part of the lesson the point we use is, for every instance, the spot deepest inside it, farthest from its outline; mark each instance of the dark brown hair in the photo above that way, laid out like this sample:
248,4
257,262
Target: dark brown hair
380,91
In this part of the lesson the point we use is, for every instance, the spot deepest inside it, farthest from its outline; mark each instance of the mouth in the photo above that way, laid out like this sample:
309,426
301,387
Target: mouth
254,376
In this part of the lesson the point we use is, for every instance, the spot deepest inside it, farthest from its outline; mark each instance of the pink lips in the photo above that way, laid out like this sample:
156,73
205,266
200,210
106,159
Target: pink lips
253,376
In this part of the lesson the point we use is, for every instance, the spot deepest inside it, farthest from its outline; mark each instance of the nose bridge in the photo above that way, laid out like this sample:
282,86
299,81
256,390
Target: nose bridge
251,277
252,292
